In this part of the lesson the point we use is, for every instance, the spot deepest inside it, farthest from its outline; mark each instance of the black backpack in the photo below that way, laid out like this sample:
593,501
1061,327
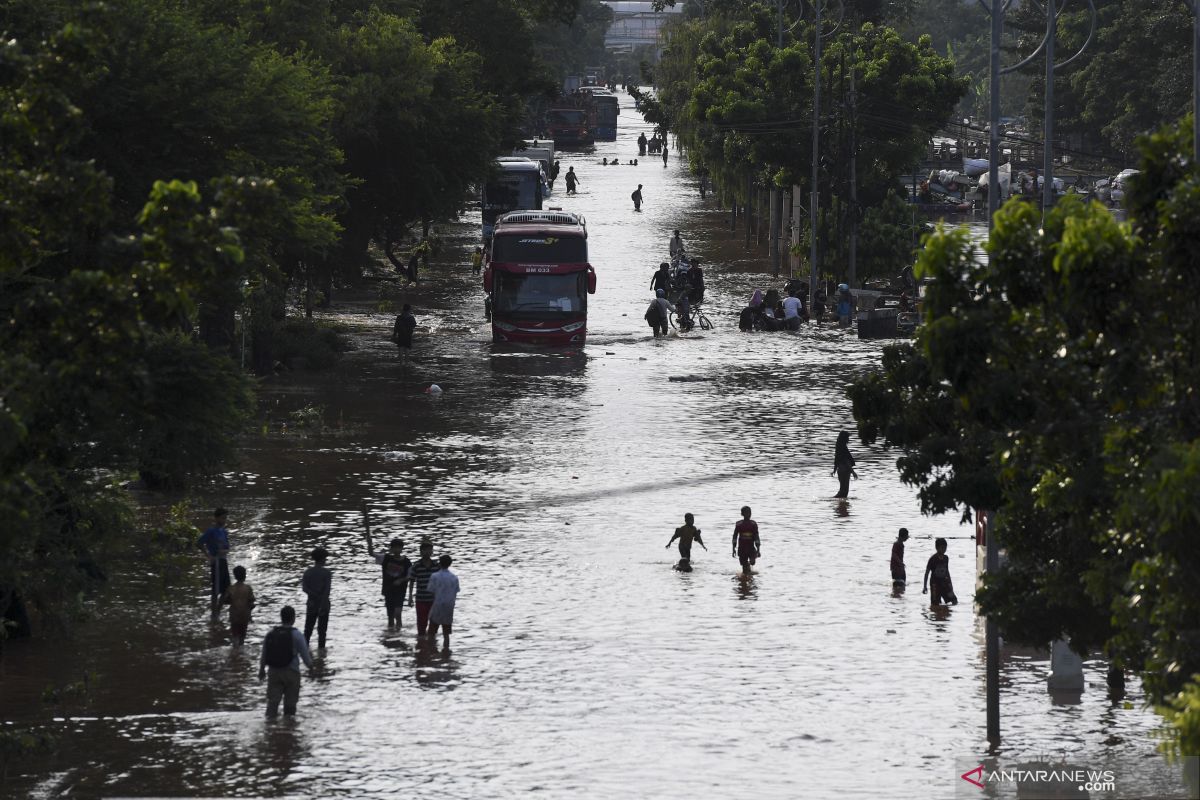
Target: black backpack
654,313
279,649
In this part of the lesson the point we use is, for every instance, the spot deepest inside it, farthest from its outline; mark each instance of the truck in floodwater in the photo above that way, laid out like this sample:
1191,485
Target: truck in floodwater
539,278
572,123
514,184
608,108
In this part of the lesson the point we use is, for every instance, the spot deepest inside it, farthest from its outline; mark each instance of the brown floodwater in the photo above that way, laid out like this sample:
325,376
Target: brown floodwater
582,664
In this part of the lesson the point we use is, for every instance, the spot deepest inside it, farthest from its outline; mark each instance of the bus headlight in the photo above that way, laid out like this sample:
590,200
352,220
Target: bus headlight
574,326
504,326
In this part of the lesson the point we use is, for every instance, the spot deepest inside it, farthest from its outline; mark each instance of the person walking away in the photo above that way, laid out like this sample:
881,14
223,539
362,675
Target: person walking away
240,599
676,247
572,180
656,313
939,567
413,262
636,197
662,278
685,313
418,585
843,464
553,173
402,331
641,140
845,305
477,260
215,543
664,151
746,545
317,583
443,585
282,651
792,310
686,534
695,277
899,578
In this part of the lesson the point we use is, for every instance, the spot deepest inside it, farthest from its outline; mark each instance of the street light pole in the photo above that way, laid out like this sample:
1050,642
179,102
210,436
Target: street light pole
816,152
1048,114
997,18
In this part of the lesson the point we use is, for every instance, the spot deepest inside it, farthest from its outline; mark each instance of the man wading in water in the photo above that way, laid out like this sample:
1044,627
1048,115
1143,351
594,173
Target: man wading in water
746,546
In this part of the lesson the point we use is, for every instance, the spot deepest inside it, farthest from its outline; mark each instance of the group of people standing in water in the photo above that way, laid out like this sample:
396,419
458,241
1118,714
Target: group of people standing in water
429,586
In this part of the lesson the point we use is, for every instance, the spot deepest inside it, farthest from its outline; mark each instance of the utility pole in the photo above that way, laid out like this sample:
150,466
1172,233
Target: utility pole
1048,114
997,18
816,152
853,255
1194,7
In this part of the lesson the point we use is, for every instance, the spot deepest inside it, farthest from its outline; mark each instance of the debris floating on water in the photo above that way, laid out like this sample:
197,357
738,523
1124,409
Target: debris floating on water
686,378
434,390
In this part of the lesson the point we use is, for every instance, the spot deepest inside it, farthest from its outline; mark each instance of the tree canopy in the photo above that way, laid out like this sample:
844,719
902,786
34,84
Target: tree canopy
742,106
1054,384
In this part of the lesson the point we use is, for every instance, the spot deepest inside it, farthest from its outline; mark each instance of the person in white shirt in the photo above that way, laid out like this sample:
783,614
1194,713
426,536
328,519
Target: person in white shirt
443,584
793,312
676,246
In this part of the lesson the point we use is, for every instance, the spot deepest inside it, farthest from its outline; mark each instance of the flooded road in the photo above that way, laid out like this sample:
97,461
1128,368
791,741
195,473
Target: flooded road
582,664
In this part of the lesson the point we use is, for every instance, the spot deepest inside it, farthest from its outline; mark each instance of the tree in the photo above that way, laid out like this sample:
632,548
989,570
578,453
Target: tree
1054,385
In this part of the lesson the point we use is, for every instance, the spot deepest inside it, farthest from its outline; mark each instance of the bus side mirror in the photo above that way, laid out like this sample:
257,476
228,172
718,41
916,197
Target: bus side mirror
591,280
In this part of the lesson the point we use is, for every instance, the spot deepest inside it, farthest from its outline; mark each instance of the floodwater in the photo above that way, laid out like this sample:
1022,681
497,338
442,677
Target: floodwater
582,664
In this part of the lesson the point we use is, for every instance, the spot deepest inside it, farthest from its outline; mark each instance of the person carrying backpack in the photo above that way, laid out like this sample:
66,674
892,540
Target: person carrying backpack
656,313
636,197
282,651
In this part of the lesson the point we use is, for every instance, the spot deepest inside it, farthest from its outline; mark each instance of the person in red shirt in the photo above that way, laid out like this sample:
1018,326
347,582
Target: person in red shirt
746,546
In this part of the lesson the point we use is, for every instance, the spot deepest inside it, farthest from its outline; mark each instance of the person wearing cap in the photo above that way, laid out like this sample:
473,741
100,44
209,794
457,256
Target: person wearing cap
396,567
316,583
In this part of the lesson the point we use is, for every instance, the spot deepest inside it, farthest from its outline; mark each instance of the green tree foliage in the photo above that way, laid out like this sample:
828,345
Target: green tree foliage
1055,385
742,107
90,359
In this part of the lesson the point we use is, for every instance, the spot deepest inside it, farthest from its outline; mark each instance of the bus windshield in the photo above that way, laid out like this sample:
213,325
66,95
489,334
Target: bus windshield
540,296
512,190
539,249
566,116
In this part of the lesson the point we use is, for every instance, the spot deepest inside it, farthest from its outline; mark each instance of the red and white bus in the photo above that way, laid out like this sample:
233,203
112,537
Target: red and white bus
539,278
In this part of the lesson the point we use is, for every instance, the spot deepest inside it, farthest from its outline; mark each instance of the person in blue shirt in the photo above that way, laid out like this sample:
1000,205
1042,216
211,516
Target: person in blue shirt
215,543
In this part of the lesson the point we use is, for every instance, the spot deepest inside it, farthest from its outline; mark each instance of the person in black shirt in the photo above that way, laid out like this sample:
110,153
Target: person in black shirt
396,567
662,278
317,582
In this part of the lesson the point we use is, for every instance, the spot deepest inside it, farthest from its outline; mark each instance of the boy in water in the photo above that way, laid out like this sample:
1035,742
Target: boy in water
939,566
898,575
240,599
746,546
418,585
443,585
215,543
396,567
317,582
685,534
